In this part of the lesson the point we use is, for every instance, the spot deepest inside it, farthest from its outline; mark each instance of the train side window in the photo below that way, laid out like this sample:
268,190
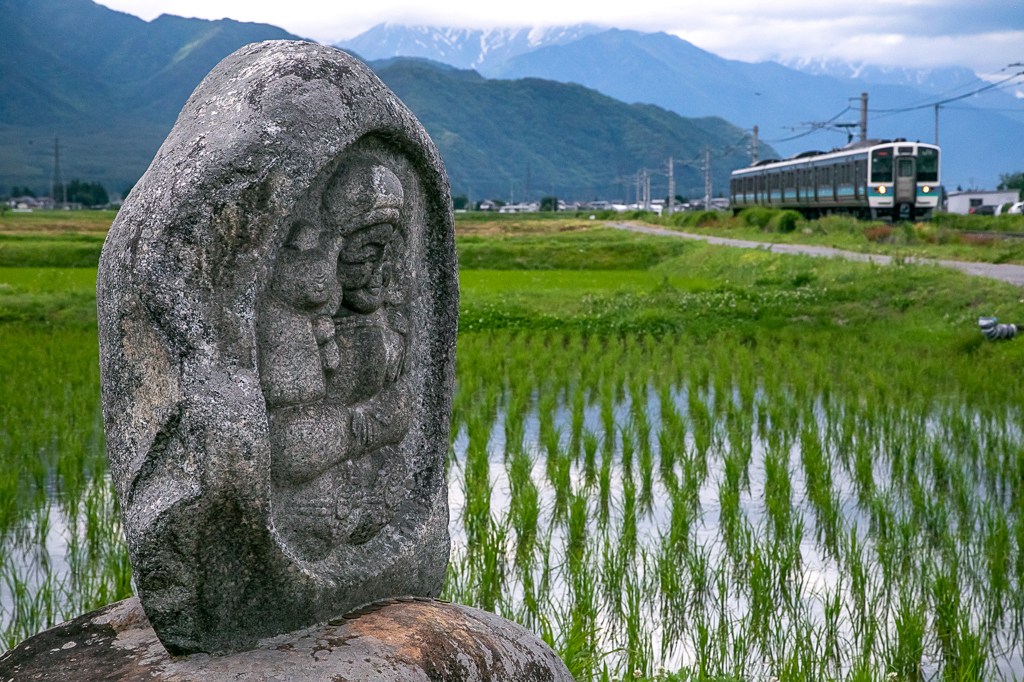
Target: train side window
881,165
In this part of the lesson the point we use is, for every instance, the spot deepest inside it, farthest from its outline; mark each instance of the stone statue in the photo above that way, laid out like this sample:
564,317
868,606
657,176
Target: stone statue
278,301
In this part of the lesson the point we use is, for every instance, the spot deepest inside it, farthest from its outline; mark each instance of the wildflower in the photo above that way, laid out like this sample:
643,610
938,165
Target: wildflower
891,677
637,673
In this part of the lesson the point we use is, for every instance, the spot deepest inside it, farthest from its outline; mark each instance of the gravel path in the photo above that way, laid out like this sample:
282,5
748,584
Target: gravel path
1014,274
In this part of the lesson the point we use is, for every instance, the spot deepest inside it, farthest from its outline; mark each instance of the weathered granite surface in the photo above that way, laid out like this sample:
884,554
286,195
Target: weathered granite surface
278,302
404,641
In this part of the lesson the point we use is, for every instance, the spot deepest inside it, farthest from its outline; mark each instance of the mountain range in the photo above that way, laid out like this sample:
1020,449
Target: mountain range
981,137
531,137
572,110
463,48
111,85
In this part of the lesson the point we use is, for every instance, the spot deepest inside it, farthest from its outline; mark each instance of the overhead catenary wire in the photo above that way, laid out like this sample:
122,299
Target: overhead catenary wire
815,127
929,105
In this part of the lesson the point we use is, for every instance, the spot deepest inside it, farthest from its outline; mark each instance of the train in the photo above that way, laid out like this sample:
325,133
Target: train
870,179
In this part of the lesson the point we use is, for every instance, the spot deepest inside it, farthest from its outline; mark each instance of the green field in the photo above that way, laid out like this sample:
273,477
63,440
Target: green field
729,464
988,239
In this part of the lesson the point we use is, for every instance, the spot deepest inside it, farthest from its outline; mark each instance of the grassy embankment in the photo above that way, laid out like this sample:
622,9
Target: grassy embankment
947,237
729,463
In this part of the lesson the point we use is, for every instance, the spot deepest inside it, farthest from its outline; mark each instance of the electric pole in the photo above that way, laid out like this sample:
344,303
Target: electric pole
707,178
638,190
58,182
672,186
647,190
863,116
936,125
753,148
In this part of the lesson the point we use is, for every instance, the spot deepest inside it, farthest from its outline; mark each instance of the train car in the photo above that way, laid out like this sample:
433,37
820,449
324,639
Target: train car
871,179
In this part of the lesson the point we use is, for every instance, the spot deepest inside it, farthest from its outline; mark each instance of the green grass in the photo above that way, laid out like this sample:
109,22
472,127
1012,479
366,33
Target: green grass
48,295
946,237
593,249
56,222
730,464
57,251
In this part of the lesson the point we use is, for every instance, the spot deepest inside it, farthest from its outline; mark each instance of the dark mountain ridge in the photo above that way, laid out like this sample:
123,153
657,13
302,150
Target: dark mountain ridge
533,137
111,86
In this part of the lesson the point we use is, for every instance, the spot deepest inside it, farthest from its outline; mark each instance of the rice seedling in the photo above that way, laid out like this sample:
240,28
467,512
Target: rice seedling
733,498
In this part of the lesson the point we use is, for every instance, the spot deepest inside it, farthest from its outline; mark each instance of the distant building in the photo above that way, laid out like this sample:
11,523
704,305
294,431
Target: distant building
533,207
31,203
963,202
487,205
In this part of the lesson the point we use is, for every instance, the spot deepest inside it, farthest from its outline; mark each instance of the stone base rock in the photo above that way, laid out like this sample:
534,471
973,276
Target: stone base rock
395,641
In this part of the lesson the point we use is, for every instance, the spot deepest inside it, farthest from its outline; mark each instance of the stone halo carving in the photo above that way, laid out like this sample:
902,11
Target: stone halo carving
278,302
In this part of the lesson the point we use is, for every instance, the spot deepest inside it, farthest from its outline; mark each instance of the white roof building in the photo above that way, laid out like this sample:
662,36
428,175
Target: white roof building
962,202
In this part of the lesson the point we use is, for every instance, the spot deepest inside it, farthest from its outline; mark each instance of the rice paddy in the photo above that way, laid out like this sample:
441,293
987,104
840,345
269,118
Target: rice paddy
722,465
741,508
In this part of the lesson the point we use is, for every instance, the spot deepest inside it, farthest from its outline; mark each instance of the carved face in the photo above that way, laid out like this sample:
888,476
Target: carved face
304,275
365,203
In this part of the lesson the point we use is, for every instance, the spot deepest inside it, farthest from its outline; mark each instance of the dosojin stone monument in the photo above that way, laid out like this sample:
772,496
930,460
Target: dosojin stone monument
278,304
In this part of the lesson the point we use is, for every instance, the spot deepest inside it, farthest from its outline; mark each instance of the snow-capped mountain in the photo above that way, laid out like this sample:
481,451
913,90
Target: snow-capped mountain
940,82
462,47
931,81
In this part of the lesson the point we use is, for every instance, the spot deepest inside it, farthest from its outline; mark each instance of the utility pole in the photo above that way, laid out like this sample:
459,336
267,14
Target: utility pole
753,148
936,125
647,190
526,199
638,190
863,116
57,181
672,186
707,177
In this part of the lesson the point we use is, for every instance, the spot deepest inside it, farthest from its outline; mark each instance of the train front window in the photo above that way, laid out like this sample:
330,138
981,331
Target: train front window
905,168
881,165
927,164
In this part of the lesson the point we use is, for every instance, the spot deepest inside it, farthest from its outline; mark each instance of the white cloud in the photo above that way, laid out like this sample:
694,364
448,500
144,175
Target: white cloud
984,36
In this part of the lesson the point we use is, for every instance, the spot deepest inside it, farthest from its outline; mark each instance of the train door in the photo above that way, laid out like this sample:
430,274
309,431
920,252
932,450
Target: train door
906,180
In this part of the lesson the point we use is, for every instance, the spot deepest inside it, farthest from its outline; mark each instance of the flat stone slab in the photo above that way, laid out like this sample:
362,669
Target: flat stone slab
397,640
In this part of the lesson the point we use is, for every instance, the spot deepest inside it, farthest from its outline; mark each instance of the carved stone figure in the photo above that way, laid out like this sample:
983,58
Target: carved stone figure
277,303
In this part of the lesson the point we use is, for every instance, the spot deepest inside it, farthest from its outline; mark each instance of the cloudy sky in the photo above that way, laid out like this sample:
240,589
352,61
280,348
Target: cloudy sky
984,35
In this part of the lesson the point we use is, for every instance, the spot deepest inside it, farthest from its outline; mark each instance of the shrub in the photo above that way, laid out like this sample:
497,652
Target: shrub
784,221
701,218
758,216
876,233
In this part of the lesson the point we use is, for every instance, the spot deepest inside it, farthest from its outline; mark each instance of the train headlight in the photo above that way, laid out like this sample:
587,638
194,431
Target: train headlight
926,189
881,190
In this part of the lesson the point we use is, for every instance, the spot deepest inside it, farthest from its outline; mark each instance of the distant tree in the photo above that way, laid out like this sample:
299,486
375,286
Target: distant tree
498,202
22,192
679,200
549,203
1012,181
460,202
85,193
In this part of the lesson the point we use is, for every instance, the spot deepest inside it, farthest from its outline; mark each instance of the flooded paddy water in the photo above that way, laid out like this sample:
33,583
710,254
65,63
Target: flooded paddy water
735,507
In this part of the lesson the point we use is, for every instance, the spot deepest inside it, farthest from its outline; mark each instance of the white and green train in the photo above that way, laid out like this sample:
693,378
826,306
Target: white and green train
872,179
